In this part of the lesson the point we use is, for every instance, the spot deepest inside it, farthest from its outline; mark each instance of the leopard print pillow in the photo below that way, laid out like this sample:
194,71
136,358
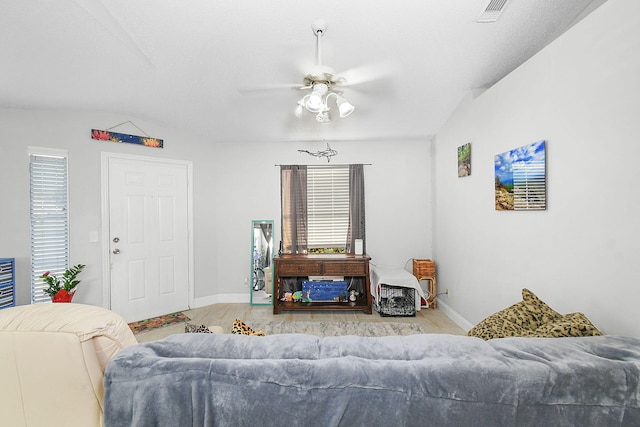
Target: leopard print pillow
569,325
239,327
195,329
505,323
541,312
520,319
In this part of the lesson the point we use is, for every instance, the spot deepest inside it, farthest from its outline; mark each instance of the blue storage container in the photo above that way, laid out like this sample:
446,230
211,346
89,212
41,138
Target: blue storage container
325,291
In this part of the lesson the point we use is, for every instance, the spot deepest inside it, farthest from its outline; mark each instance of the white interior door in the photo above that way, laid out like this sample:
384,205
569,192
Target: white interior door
148,230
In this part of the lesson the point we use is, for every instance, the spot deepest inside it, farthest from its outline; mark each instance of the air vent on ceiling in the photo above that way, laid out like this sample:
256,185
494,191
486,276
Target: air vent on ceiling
492,11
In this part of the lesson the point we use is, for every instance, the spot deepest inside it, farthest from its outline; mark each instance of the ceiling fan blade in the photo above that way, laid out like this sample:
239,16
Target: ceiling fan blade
365,74
264,88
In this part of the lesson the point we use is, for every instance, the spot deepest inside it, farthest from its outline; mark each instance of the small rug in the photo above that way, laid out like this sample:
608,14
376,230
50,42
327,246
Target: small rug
157,322
332,329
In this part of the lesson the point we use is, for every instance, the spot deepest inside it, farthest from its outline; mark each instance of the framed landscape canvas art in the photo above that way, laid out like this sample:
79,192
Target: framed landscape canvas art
521,178
464,160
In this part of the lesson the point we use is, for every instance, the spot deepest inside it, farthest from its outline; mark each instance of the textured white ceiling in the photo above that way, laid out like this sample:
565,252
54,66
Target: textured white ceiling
180,63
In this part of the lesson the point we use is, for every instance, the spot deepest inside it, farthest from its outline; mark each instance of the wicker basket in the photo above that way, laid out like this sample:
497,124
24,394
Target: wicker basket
424,268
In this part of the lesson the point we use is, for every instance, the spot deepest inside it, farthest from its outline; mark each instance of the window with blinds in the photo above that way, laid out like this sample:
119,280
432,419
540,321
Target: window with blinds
327,206
49,219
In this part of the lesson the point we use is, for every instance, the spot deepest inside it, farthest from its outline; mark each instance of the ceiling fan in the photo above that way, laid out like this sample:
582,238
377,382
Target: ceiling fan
322,84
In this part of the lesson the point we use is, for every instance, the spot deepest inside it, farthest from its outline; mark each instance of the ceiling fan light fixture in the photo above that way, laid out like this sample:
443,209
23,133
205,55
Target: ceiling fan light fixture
314,103
321,82
318,102
323,116
344,107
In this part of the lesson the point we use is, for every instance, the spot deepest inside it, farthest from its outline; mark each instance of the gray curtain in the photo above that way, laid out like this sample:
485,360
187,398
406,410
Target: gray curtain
356,208
294,208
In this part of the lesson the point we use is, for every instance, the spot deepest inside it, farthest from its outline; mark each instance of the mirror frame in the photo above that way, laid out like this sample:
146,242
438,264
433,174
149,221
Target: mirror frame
268,280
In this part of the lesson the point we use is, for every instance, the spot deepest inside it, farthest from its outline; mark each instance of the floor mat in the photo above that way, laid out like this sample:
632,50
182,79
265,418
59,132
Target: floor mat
157,322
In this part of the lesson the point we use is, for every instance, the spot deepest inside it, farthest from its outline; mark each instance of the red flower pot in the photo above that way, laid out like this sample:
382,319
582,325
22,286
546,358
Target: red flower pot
63,296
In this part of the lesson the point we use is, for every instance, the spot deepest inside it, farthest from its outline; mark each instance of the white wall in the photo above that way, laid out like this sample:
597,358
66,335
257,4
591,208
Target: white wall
582,95
233,184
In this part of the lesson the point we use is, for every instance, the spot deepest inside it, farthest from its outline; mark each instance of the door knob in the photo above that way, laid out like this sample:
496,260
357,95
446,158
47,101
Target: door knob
116,251
116,239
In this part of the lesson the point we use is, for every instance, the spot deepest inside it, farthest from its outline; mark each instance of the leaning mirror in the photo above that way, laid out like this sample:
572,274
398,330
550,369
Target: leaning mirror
261,256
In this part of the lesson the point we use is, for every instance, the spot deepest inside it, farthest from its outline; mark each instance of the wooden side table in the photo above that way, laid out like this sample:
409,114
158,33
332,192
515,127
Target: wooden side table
425,269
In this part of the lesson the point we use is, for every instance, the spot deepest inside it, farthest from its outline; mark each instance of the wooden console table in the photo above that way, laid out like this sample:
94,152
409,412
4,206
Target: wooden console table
303,266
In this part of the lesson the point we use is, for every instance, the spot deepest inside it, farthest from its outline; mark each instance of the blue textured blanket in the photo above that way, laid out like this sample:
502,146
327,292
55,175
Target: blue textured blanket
421,380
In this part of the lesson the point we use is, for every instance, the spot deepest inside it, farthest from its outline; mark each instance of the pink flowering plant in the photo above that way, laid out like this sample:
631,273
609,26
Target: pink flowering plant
68,281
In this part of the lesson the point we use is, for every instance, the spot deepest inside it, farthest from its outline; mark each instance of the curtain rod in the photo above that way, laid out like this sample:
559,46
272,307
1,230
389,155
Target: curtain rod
332,164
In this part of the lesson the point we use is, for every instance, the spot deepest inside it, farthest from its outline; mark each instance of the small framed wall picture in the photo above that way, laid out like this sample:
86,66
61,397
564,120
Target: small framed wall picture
464,160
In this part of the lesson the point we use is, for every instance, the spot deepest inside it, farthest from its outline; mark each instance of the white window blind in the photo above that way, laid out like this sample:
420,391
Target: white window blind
529,185
49,220
327,206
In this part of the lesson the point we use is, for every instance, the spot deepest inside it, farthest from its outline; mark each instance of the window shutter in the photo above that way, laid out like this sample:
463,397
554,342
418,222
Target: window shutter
327,206
49,221
529,185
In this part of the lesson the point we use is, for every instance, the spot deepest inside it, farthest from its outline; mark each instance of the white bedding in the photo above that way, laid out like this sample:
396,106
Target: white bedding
393,276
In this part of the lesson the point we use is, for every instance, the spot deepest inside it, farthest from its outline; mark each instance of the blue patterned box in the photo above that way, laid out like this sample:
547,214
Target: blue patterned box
325,291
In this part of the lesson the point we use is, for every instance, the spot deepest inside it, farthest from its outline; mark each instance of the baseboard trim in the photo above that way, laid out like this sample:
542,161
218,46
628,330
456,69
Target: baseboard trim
222,298
454,315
